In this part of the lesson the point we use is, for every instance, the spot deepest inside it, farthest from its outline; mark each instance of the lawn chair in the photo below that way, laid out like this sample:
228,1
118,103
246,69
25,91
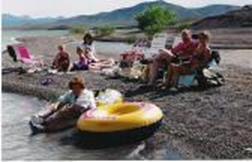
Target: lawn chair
20,53
24,55
159,42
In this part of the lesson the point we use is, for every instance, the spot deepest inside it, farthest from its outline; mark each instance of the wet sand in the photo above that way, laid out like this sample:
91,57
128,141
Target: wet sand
212,124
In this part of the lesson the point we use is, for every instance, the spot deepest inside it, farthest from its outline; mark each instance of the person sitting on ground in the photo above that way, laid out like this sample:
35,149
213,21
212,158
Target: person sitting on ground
89,50
200,58
62,61
184,50
82,63
69,106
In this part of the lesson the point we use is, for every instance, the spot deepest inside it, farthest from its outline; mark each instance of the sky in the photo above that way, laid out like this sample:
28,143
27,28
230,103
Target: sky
68,8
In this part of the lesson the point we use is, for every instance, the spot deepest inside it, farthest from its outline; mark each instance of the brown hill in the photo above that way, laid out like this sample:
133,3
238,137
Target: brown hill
232,19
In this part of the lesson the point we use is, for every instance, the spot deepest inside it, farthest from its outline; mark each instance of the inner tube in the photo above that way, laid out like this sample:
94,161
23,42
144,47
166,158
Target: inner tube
118,124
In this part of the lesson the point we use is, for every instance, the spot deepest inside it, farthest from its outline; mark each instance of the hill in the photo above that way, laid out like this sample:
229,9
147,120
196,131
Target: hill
124,16
238,18
9,20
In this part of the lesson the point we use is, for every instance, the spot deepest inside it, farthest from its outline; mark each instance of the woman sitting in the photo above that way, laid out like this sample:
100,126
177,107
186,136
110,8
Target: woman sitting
89,51
69,107
61,61
201,57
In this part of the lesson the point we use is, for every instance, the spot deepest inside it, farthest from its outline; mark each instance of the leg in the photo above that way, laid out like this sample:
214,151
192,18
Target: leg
169,75
94,66
177,71
102,64
175,76
62,119
107,62
153,71
159,61
49,111
42,116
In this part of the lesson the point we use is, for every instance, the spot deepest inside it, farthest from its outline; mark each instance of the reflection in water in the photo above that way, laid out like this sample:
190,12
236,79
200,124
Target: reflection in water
17,144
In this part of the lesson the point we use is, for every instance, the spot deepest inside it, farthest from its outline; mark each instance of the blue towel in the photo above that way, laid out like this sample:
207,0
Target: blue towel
187,80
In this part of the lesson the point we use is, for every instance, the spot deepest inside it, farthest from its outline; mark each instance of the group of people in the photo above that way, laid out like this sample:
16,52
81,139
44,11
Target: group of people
87,58
189,55
193,52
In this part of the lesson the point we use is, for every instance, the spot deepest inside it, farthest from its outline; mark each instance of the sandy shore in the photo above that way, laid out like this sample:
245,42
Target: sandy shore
210,124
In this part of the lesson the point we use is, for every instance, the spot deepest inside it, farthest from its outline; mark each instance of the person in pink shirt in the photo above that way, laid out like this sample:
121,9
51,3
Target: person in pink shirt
200,58
184,50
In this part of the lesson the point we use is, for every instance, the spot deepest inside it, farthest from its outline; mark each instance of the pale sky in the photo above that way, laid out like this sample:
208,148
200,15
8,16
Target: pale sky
67,8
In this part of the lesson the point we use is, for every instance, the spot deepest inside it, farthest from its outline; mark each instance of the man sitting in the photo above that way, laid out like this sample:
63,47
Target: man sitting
183,50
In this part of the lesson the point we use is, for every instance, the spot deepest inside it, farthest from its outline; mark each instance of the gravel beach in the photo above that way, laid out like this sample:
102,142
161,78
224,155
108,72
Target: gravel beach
212,124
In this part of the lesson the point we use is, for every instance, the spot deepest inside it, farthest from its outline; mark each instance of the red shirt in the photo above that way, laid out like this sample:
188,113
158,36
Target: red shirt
61,58
185,49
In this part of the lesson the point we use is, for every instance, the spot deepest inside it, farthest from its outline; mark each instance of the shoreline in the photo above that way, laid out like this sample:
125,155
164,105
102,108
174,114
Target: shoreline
210,124
240,38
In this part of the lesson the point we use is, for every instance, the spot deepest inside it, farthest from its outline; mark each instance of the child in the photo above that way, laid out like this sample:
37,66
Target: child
83,62
61,61
68,107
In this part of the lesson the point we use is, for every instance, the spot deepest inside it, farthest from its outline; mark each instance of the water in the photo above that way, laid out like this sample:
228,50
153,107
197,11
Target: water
18,145
111,47
9,36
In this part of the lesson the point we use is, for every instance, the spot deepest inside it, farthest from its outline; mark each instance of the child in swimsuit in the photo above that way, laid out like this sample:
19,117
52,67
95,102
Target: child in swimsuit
83,62
61,61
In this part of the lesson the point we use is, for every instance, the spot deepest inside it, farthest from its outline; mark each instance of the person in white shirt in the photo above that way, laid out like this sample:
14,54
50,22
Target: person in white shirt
89,50
88,47
69,106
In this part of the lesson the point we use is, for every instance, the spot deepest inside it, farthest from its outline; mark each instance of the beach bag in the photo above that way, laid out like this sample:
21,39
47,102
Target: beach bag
136,72
213,78
108,97
127,59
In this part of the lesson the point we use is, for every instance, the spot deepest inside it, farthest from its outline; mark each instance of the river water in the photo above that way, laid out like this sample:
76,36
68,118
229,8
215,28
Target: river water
17,144
9,37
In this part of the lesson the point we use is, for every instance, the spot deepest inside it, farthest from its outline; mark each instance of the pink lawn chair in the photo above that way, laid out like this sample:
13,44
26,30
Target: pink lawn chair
24,55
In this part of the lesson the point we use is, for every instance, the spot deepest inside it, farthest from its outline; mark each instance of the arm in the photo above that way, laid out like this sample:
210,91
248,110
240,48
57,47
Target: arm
55,60
63,100
86,101
178,49
91,52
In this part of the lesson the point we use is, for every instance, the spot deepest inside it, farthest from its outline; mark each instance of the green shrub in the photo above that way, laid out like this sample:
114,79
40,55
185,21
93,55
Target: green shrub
154,20
78,30
104,31
131,39
183,26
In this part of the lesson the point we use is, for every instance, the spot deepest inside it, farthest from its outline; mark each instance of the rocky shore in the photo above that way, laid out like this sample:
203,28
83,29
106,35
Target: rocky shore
199,124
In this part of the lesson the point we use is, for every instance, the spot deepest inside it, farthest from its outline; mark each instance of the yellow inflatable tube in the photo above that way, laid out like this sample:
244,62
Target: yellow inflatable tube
119,117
